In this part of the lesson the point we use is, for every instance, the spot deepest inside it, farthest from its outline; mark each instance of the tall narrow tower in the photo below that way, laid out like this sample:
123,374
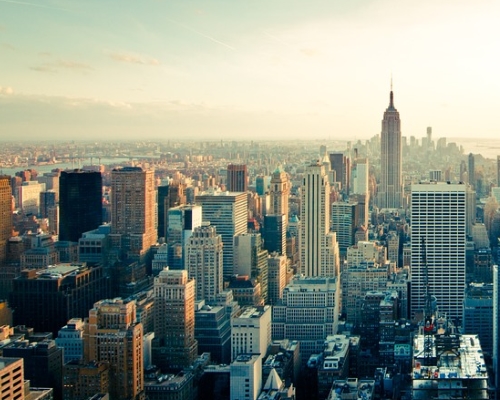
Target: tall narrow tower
318,246
390,192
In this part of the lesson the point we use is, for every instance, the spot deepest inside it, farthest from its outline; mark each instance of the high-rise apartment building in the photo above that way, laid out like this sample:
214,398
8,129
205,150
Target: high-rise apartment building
319,254
133,210
237,178
390,190
227,211
5,215
204,262
439,217
112,334
80,203
174,345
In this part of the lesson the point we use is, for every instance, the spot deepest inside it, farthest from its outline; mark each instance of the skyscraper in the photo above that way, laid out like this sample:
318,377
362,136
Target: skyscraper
113,334
228,212
390,191
472,170
182,220
498,171
80,203
133,210
237,178
318,246
342,167
439,216
279,191
174,345
5,215
204,262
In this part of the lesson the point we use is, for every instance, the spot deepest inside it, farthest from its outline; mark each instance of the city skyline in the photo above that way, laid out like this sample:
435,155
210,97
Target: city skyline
260,69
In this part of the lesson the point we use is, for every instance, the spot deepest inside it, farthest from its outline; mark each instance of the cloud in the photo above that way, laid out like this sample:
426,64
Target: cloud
58,65
8,46
133,58
6,90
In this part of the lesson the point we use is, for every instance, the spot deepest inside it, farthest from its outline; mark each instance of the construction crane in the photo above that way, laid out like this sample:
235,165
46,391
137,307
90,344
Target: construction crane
428,310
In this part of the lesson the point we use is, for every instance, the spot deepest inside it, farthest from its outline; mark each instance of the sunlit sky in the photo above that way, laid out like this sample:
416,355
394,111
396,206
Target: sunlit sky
243,69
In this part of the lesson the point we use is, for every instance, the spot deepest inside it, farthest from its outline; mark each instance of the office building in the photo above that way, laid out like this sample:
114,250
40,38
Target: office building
94,247
277,277
250,259
496,328
227,211
113,335
390,190
43,363
182,220
439,217
251,332
174,345
70,338
133,210
212,330
478,311
498,171
28,197
308,312
170,195
204,262
472,170
357,280
344,221
46,299
80,203
12,378
319,255
5,216
279,191
246,377
275,233
86,381
237,178
341,166
48,200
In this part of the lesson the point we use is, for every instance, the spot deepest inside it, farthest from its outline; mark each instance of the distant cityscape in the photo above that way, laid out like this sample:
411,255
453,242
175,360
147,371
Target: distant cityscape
250,270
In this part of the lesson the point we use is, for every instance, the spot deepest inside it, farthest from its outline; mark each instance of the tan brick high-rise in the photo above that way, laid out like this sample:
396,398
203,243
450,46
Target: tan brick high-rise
133,210
5,215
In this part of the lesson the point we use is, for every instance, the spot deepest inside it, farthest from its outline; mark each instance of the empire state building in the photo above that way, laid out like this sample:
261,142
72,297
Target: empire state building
390,190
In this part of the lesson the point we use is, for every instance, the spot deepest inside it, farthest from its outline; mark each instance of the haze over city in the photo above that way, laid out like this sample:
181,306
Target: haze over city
220,70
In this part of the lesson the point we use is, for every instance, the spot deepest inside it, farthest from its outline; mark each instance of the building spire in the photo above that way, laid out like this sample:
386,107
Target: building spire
391,102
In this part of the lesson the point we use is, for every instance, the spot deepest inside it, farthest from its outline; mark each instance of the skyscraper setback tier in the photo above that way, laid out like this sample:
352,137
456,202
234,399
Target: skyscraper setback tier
80,203
390,191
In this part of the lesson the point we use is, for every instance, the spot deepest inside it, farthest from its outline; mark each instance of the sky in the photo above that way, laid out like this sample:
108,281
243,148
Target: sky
247,69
